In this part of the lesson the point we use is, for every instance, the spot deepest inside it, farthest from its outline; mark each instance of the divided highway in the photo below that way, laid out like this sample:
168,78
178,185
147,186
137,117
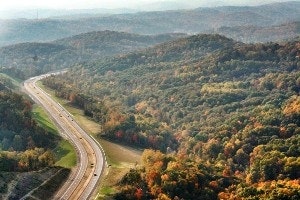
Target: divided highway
90,156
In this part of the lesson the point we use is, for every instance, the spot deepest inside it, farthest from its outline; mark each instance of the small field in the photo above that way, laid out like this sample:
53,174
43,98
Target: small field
120,159
65,155
43,120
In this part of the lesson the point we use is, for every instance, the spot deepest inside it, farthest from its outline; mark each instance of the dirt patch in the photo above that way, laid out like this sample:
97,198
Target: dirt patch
18,185
120,160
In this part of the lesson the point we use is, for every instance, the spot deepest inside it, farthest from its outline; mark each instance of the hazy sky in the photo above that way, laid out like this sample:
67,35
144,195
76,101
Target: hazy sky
74,4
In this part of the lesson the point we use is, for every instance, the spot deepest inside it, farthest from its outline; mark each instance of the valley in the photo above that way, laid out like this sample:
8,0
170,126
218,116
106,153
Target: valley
197,103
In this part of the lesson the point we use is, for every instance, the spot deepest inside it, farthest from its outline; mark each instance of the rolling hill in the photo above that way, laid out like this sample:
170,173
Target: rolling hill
218,116
185,21
225,114
36,58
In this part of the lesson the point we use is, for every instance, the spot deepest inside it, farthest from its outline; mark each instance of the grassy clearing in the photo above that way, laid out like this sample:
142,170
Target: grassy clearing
107,191
43,120
65,153
121,159
120,156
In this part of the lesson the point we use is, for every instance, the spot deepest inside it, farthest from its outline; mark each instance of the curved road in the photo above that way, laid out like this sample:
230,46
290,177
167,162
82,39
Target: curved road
90,156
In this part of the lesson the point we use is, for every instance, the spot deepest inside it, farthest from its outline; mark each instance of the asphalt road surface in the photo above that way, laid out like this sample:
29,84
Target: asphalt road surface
85,177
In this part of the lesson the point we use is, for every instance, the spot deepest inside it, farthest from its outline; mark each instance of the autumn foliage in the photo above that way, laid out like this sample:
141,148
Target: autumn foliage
224,115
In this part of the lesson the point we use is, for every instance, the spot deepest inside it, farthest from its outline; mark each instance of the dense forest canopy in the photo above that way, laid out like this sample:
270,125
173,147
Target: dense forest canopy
225,115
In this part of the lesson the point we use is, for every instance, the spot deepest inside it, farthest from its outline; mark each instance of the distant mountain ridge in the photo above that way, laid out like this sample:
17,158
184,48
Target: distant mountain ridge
35,58
185,49
185,21
97,38
252,34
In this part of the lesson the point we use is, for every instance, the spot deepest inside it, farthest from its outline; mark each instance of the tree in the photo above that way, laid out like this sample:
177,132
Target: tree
18,143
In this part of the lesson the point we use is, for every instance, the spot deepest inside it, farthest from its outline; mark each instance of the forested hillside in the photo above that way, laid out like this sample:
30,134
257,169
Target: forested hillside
29,59
185,21
225,115
24,145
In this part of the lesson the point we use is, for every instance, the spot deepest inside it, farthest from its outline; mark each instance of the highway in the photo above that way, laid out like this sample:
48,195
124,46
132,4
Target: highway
85,177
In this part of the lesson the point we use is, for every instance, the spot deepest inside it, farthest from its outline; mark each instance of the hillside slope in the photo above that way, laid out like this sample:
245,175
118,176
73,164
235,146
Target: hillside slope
26,148
227,111
37,58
